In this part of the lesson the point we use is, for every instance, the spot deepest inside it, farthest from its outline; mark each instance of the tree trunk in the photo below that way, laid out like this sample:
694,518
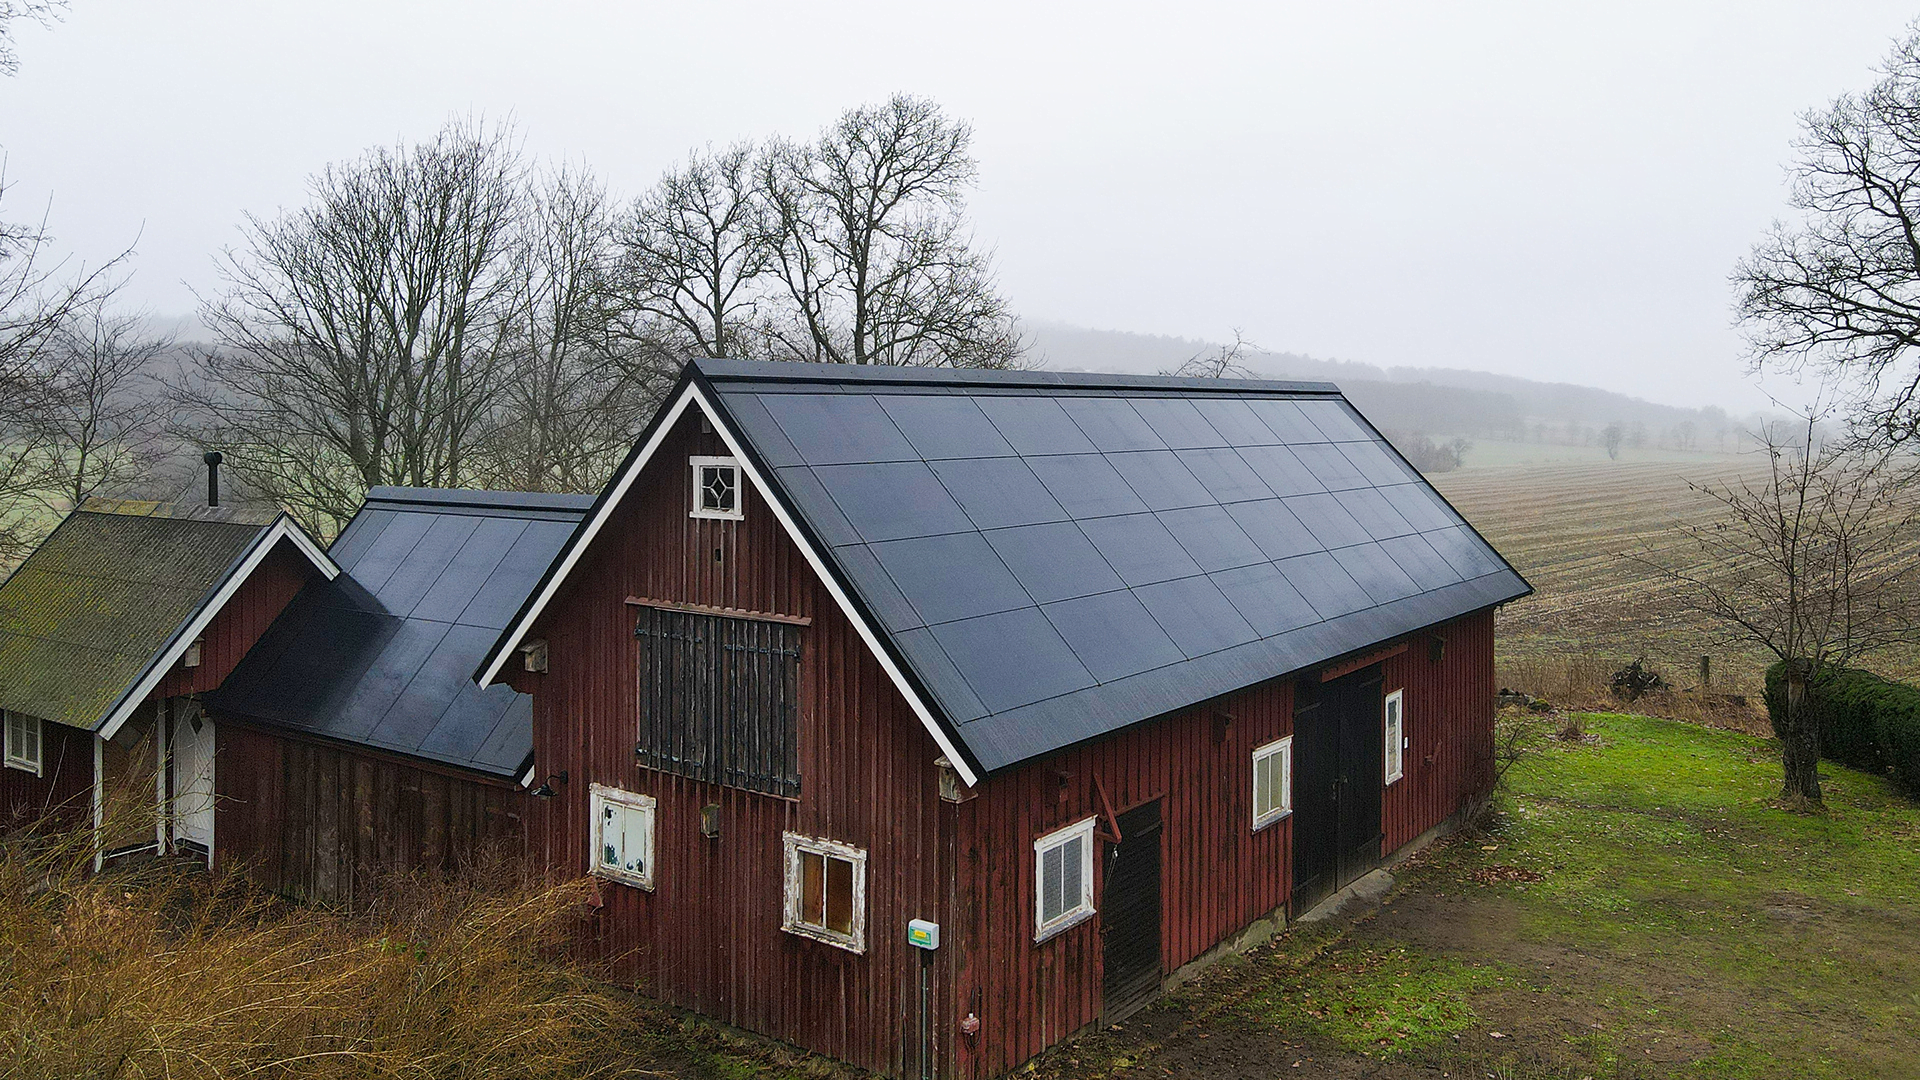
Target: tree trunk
1800,742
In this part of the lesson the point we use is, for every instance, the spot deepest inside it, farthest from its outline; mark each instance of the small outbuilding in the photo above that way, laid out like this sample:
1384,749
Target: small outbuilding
924,718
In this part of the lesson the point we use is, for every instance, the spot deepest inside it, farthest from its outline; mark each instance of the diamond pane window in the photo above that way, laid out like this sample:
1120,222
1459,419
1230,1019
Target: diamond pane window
716,488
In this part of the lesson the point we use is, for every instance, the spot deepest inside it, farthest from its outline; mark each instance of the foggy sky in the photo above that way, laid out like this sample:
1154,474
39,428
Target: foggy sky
1521,188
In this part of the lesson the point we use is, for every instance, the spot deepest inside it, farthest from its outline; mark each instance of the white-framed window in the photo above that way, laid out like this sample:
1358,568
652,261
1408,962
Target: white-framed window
1272,782
1395,737
716,488
826,891
623,828
23,746
1062,879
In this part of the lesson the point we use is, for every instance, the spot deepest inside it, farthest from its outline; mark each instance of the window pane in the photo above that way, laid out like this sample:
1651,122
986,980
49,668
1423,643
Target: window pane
839,896
609,836
1050,879
1070,856
634,826
812,889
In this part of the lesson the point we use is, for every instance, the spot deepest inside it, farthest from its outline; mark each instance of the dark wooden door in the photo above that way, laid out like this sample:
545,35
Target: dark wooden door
1130,914
1316,781
1336,784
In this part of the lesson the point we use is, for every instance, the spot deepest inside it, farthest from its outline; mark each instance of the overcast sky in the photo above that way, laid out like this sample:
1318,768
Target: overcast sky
1523,188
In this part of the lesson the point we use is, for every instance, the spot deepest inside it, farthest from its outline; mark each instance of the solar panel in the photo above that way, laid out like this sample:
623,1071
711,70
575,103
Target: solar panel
1086,485
1014,658
1112,634
1177,422
1035,425
945,426
836,429
1160,480
950,577
998,492
1111,424
1196,615
892,501
1054,562
1212,537
1139,548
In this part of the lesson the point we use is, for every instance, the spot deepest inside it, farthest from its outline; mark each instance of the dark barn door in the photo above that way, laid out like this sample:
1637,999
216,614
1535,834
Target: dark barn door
1130,914
1336,783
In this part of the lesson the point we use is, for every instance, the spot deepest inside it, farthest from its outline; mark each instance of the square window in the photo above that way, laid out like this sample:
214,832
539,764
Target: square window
1272,782
826,892
1062,879
716,488
623,827
1395,737
23,743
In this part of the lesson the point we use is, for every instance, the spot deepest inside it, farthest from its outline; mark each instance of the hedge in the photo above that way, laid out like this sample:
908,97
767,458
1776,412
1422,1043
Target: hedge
1864,720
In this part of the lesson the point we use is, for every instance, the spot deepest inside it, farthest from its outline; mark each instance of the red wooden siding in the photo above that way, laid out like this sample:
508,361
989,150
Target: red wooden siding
323,822
708,937
246,615
1217,875
1448,716
65,780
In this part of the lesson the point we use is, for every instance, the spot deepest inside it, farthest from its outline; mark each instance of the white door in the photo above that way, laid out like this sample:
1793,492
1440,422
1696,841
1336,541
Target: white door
192,809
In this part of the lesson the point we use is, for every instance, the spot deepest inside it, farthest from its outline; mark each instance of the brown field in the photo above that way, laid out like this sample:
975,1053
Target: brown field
1570,528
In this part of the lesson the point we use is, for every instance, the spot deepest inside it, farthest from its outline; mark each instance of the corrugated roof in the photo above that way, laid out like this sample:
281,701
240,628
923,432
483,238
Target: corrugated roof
87,614
1055,556
382,656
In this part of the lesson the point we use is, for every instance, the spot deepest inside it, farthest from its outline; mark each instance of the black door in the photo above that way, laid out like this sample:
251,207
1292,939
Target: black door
1130,913
1336,783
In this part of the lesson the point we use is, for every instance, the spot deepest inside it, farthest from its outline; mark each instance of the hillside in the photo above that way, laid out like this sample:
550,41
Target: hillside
1439,403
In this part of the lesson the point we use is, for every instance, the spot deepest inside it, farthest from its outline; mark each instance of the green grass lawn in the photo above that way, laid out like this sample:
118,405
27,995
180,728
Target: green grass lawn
1642,908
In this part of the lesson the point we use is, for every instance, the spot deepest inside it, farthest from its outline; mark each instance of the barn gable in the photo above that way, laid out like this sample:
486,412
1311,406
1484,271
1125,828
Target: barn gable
1041,558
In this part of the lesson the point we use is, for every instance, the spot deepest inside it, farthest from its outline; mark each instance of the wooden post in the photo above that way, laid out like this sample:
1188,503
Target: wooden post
1706,672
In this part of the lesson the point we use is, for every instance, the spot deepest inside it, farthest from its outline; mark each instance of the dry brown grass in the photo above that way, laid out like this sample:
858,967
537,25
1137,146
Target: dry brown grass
163,971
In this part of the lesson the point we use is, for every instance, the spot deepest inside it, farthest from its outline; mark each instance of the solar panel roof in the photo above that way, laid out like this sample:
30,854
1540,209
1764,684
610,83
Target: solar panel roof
383,655
1056,556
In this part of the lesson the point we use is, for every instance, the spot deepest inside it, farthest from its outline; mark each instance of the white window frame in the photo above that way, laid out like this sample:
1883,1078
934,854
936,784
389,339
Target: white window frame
1393,722
1044,928
791,920
599,797
1284,748
739,496
15,757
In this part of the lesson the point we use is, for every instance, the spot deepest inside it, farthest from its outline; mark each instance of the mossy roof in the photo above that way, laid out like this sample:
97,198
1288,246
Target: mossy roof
85,615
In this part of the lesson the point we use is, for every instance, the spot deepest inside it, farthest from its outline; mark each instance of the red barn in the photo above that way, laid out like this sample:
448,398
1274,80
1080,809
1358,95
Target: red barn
924,718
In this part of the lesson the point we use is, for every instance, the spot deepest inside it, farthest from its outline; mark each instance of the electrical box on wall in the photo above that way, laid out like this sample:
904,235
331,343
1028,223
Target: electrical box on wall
922,934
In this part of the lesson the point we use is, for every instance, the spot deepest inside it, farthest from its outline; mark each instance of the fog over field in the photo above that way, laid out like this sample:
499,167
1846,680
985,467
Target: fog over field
1549,192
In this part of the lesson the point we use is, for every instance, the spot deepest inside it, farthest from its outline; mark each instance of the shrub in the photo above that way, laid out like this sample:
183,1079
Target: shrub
1864,721
1636,679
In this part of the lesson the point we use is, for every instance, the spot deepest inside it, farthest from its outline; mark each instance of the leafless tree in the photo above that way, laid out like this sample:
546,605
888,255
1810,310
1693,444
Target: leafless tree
1611,437
695,252
1838,291
360,339
579,385
869,245
14,11
1221,362
1807,563
98,414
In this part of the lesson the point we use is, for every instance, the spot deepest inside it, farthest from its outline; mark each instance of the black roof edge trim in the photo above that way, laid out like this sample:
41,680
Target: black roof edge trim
722,370
827,560
478,499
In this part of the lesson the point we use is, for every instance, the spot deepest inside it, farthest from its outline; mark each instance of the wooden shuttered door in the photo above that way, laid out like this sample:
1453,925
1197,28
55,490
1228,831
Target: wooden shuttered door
719,699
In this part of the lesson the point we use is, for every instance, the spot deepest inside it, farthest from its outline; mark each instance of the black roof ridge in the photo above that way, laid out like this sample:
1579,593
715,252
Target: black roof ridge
477,499
725,370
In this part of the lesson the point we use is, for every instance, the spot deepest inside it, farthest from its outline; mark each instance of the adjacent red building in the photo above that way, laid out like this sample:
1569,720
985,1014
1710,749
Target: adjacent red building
924,718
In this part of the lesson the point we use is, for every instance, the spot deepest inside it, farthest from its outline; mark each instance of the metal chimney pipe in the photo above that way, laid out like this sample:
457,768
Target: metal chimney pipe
213,458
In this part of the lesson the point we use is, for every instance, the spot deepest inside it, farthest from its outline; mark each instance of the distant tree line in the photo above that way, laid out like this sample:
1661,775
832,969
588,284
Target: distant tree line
455,314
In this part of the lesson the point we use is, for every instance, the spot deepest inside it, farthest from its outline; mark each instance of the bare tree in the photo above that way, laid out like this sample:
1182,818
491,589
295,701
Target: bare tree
695,251
1221,362
1805,562
43,12
579,386
869,245
1839,290
97,417
1611,437
360,339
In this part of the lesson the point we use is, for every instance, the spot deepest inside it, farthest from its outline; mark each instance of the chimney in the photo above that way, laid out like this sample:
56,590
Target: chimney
213,459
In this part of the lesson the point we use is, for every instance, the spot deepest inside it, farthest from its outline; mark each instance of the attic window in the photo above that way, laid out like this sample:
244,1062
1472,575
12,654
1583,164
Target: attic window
716,488
23,743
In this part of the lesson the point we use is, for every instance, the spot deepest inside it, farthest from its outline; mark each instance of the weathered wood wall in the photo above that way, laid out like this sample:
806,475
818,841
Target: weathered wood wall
322,822
709,937
247,614
65,782
1217,874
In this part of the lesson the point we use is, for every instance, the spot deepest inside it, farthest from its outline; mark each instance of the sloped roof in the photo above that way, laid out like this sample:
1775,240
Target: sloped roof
382,655
92,612
1050,557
